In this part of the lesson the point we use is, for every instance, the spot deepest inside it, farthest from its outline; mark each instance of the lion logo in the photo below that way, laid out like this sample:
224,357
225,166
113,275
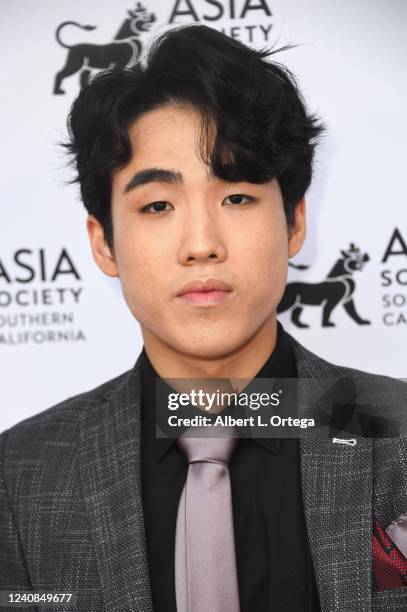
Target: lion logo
337,288
122,52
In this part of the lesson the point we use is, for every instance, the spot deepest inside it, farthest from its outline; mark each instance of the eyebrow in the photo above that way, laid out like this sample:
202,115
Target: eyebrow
153,175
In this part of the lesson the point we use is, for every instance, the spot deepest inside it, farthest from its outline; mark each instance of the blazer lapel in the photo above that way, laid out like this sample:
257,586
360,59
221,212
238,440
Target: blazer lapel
110,466
337,482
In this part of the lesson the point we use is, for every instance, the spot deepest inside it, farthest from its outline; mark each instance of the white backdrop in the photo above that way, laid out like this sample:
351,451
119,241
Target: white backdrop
64,327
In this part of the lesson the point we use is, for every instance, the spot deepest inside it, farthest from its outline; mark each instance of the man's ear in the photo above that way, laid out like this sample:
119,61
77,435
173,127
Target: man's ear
297,232
101,251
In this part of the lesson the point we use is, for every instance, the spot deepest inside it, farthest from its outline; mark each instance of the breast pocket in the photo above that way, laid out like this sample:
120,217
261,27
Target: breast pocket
390,600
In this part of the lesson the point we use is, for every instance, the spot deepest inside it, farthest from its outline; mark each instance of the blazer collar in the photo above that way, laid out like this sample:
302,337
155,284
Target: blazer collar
337,487
110,465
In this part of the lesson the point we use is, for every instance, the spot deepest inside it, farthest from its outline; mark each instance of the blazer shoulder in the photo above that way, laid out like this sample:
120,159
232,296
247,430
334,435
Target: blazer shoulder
61,420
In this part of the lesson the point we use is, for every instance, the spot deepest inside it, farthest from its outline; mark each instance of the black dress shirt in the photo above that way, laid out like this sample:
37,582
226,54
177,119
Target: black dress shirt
274,565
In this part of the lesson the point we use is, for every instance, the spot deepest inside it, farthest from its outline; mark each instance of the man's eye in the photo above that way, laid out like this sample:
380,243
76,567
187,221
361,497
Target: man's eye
159,207
239,198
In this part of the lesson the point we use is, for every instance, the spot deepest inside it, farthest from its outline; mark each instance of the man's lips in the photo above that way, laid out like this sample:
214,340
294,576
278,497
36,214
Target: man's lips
205,297
208,292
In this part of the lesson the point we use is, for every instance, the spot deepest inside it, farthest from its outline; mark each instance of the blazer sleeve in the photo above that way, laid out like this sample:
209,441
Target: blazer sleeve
13,571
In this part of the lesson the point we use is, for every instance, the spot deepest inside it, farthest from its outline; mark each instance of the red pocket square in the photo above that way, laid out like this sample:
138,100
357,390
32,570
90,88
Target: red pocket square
397,532
389,564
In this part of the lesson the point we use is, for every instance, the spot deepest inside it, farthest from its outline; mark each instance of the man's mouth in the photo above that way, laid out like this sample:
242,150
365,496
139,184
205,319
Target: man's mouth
205,297
208,292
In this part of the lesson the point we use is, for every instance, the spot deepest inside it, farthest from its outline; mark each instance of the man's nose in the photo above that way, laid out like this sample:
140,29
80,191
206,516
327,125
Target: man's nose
201,239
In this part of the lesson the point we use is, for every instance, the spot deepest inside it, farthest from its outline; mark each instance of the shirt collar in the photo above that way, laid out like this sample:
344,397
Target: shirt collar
280,364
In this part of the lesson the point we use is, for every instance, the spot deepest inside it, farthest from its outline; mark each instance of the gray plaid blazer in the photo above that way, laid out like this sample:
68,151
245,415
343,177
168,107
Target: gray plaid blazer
71,513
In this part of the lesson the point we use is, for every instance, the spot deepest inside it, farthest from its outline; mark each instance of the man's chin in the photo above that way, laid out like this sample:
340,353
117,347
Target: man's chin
210,349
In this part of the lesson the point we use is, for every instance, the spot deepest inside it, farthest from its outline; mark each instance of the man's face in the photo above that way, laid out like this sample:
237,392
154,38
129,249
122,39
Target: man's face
208,229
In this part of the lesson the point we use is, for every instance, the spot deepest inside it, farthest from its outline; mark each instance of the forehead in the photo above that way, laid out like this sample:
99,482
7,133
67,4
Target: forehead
164,128
175,139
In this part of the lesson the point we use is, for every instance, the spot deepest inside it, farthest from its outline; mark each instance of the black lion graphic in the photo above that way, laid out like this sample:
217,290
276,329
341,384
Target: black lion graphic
122,52
337,288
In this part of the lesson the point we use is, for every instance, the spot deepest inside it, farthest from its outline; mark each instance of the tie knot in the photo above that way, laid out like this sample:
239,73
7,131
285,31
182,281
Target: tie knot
217,449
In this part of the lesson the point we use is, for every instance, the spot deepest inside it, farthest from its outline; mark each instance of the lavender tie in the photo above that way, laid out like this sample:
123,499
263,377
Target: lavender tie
205,560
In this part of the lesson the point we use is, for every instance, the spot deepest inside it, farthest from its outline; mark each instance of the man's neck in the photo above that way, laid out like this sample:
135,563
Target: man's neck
242,363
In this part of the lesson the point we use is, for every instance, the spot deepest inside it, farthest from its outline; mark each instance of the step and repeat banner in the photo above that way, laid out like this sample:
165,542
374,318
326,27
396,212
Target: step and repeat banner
64,327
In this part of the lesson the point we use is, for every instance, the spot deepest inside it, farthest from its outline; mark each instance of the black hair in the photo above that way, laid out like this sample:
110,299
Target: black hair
263,129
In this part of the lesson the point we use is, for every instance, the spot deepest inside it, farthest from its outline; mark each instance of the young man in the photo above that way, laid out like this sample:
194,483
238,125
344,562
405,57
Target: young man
193,170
